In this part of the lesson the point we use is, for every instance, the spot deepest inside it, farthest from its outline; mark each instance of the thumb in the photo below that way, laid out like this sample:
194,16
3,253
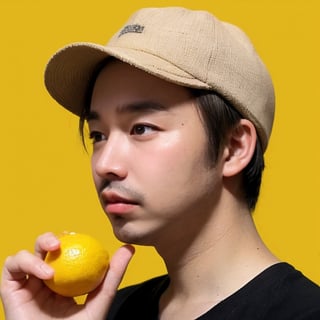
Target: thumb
99,301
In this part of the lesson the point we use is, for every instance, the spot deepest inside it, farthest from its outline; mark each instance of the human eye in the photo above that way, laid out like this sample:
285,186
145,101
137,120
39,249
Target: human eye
96,136
142,129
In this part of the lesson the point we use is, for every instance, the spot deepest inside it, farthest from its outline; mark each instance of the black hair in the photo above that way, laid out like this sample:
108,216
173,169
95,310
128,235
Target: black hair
219,117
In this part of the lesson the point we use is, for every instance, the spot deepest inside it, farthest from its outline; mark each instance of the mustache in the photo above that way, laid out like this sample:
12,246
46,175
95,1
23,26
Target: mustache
124,191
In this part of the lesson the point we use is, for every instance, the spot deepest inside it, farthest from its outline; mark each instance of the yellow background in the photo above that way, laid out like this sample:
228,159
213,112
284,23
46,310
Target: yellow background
45,173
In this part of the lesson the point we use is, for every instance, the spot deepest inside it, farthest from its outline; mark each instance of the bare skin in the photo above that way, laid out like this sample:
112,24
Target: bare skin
154,181
192,213
28,298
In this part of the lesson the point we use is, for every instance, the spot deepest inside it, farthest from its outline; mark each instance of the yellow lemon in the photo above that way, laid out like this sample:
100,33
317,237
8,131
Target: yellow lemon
79,265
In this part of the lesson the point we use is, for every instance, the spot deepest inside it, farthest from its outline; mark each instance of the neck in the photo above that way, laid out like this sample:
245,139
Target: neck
219,260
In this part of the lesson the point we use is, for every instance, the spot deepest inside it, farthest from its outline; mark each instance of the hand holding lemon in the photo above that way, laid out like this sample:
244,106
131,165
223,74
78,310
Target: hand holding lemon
79,265
74,265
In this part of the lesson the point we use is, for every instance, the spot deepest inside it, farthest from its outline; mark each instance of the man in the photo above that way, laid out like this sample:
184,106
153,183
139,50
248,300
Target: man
180,110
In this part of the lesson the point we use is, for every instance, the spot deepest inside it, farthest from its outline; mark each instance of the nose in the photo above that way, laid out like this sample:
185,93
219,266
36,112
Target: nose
109,160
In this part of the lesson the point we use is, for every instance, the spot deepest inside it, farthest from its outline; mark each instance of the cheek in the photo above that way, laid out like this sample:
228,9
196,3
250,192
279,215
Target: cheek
178,182
173,162
96,178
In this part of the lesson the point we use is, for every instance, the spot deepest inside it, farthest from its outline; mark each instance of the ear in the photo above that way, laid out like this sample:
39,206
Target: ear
239,148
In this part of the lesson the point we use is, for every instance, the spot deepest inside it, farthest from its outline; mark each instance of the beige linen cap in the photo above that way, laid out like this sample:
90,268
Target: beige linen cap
186,47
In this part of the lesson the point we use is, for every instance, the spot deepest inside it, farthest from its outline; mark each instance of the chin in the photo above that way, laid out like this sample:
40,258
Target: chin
138,232
130,236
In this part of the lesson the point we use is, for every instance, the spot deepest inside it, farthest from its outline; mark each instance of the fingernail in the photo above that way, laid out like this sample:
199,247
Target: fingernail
46,269
53,242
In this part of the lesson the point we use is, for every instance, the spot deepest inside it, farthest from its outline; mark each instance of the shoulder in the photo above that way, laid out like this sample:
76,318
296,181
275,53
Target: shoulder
279,293
139,298
294,295
295,284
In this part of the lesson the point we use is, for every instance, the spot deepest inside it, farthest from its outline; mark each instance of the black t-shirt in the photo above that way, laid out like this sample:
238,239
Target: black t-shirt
278,293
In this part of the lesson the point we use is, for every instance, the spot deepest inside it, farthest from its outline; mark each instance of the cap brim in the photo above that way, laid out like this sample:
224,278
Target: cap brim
69,73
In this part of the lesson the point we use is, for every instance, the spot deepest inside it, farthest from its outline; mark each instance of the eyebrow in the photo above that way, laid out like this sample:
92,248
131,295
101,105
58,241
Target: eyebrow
142,107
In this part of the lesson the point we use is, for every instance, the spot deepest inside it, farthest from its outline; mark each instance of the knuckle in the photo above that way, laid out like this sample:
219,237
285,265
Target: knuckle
44,243
44,237
22,254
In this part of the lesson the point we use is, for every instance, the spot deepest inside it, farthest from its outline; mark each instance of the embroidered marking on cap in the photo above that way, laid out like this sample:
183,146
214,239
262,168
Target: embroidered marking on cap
131,28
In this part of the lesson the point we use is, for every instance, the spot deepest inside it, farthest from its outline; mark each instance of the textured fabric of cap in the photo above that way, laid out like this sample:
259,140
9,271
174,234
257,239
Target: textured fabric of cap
187,47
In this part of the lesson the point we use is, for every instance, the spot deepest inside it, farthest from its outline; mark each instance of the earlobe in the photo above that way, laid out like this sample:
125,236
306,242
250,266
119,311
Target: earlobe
239,148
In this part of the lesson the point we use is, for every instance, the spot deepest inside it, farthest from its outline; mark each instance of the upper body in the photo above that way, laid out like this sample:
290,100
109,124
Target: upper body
216,246
178,135
278,293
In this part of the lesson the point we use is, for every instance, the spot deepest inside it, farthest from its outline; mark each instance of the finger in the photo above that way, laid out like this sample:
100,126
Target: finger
24,264
102,299
46,242
117,269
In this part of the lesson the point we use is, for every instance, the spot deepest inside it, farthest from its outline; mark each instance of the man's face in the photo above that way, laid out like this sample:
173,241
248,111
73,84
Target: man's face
149,160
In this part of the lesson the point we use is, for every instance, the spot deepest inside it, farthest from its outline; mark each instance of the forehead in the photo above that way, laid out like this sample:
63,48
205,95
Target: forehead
119,84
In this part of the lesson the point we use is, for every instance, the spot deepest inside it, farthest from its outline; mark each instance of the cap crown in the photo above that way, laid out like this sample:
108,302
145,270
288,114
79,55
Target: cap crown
186,47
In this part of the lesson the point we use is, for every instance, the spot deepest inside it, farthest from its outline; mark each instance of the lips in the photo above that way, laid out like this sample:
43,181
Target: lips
114,203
